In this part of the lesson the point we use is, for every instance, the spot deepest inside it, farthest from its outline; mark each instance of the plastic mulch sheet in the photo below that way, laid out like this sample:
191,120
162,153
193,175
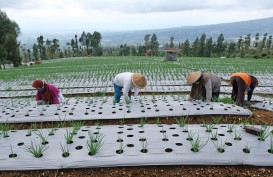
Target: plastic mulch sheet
95,108
133,145
266,104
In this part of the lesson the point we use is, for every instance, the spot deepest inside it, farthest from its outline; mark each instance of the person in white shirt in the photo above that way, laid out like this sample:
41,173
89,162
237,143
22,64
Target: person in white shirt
128,81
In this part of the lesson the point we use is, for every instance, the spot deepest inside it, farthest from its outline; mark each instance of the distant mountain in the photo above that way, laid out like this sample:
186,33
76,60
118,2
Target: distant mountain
231,31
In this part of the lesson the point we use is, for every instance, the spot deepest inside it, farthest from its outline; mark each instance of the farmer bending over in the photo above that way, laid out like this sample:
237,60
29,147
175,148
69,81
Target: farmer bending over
128,81
205,86
47,93
240,83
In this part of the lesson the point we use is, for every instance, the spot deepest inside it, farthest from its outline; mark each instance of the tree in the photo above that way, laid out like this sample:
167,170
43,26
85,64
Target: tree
95,43
231,49
3,56
133,51
40,40
54,48
154,45
209,47
185,48
256,42
9,31
220,45
147,43
35,52
202,47
171,42
269,43
88,43
195,47
247,43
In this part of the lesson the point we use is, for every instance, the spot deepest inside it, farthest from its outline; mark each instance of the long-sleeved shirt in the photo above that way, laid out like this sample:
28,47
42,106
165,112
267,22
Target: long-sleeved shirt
125,80
209,83
55,94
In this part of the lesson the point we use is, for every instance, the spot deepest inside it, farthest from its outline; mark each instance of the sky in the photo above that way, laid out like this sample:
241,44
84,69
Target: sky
123,15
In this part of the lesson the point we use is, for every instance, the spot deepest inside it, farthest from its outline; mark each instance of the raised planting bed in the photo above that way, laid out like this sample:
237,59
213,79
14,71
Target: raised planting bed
94,108
135,145
266,104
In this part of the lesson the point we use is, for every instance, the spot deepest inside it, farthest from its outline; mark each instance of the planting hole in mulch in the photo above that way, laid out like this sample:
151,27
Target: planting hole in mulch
221,150
66,154
142,139
130,145
20,144
168,150
12,155
246,150
228,144
144,150
78,147
45,142
119,151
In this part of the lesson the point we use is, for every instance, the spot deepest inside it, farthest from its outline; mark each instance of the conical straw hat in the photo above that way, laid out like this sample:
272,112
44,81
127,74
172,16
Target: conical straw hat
139,80
193,77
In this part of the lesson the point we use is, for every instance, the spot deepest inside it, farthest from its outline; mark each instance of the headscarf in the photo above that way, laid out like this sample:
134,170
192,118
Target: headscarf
47,94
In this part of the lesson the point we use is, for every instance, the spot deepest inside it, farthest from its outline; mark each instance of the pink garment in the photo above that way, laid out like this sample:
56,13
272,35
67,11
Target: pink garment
54,90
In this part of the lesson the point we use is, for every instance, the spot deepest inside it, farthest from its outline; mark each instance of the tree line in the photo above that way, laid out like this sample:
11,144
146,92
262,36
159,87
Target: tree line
244,47
87,45
260,47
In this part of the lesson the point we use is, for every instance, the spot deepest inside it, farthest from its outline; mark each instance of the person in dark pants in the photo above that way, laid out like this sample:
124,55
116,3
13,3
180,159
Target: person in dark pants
205,86
240,83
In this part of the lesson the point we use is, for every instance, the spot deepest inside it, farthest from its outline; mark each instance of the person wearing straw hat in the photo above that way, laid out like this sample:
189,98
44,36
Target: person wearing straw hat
240,83
205,86
47,93
128,81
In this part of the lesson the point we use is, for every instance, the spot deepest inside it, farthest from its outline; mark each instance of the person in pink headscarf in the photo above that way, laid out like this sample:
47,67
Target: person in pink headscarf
47,93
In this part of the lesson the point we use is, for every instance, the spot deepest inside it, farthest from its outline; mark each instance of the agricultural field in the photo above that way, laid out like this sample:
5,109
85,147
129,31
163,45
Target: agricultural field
159,133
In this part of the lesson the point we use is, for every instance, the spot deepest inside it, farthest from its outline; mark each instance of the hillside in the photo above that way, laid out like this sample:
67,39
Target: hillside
231,31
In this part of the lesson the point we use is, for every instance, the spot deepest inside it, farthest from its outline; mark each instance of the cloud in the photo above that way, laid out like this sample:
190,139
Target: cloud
130,14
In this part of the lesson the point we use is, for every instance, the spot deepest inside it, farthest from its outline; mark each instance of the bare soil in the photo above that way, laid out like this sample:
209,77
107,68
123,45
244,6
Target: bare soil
259,117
